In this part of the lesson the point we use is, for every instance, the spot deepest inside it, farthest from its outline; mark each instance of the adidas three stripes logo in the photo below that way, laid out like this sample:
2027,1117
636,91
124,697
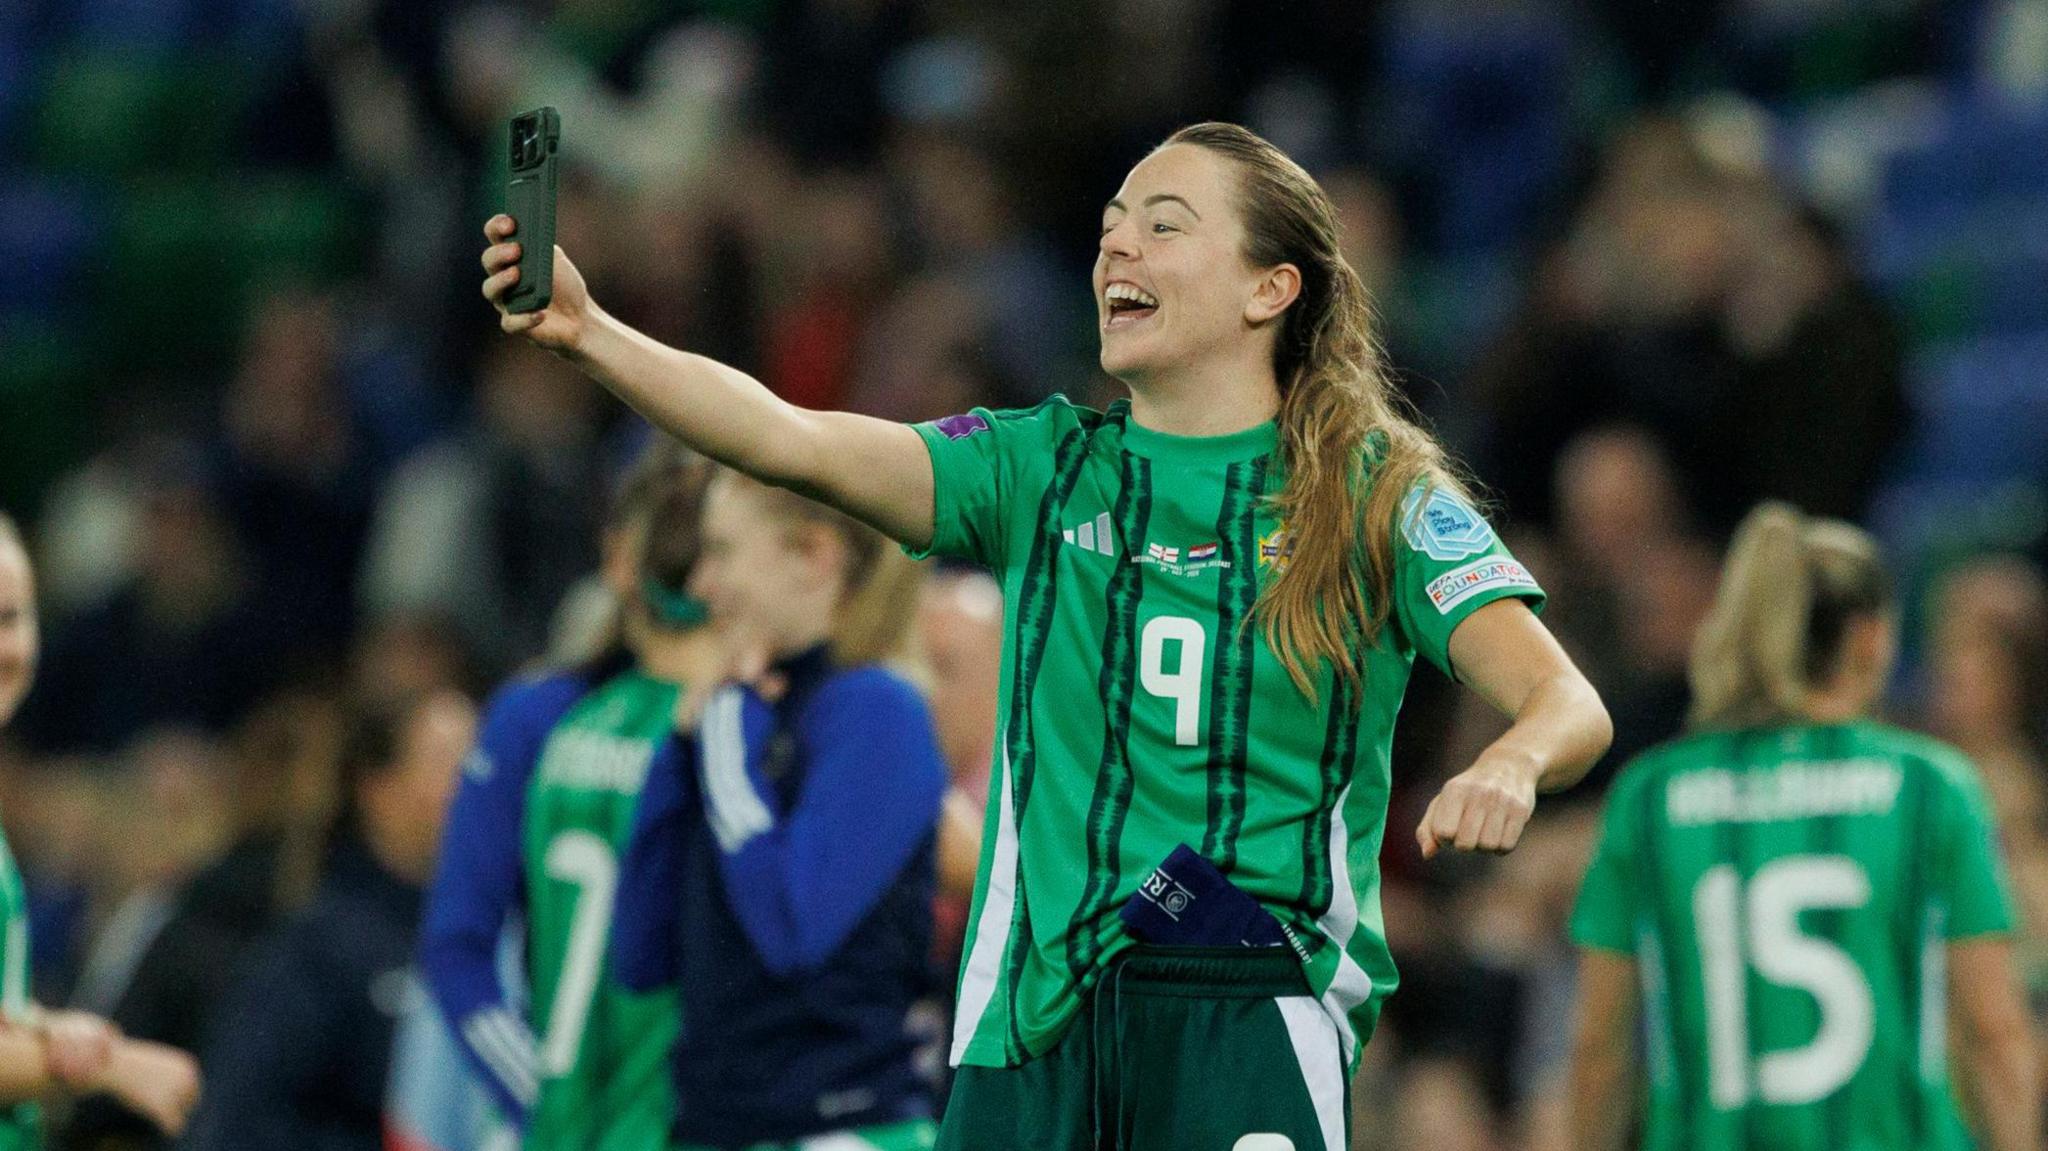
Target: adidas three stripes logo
1093,535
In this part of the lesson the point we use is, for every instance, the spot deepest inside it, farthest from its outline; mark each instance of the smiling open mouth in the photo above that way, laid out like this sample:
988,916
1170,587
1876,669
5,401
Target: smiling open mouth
1128,304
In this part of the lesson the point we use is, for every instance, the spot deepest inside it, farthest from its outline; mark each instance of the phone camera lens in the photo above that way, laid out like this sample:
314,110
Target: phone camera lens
525,143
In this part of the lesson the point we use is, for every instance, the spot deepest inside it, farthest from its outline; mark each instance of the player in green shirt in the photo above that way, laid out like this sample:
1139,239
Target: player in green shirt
1793,898
1214,593
45,1052
537,830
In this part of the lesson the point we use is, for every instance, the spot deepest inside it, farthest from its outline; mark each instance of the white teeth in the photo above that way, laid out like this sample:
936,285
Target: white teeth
1133,294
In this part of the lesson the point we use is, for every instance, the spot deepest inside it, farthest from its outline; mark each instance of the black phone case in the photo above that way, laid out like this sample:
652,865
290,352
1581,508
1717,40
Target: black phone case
530,201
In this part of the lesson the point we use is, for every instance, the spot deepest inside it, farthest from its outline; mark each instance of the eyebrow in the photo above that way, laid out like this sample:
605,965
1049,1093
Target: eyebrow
1157,197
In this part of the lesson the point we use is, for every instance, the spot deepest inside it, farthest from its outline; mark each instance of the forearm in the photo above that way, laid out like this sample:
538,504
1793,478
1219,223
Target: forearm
1560,730
1999,1074
1599,1098
719,410
24,1066
874,470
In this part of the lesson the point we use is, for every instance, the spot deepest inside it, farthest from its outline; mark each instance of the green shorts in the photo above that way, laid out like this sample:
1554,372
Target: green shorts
1176,1049
908,1135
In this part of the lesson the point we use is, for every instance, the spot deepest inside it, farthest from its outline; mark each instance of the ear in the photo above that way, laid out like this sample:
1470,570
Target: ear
617,561
1870,647
821,548
1277,288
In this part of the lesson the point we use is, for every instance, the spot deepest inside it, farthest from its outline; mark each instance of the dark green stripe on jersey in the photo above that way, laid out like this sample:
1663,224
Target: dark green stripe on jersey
1339,760
1230,673
1113,779
1034,623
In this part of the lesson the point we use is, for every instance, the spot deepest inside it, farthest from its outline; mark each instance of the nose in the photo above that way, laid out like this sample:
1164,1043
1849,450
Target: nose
1120,242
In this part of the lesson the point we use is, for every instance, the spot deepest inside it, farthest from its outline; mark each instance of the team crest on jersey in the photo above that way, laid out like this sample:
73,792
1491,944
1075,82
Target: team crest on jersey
1183,561
1275,548
1443,526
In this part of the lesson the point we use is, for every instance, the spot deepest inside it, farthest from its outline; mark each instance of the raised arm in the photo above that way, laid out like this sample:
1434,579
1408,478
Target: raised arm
875,470
1560,728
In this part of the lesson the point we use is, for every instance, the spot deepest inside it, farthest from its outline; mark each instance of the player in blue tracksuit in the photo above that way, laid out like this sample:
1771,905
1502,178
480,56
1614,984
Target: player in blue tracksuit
535,832
785,884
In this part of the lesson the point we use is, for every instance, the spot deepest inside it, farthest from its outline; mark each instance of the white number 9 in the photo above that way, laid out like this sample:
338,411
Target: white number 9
1183,685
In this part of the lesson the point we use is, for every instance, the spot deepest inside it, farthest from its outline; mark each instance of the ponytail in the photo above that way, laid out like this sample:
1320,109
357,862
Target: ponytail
1789,590
876,616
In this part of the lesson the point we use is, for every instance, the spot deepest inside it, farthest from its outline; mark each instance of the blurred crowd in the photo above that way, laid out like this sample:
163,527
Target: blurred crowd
1640,265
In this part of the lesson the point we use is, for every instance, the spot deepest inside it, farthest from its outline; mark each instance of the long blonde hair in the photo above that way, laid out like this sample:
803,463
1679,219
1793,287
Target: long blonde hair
1790,588
877,608
1342,423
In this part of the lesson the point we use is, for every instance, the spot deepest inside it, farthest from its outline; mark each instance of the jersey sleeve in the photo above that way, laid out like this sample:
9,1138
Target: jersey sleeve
801,880
1448,563
1609,904
978,460
646,915
1971,868
478,889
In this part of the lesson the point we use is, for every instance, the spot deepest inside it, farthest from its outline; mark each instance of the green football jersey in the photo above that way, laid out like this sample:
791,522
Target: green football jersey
21,1124
1788,894
604,1075
1141,707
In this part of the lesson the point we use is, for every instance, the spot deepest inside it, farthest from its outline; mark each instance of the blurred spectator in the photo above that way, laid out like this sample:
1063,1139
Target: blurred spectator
299,1051
294,480
960,628
1633,581
490,528
813,327
1987,692
407,655
280,803
184,639
960,636
1704,306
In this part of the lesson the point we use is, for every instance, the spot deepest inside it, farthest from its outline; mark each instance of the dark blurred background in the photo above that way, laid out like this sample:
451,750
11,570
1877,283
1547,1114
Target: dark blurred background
1640,263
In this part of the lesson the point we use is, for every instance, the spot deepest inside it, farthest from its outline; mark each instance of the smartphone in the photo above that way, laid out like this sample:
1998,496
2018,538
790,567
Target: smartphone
530,201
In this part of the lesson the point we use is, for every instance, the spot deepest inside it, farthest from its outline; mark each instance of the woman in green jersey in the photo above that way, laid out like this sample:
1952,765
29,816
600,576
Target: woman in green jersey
59,1052
1214,593
537,829
1797,897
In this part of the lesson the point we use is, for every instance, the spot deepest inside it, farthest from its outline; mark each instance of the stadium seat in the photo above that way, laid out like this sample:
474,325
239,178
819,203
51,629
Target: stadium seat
111,113
1983,411
131,26
45,404
1480,109
49,230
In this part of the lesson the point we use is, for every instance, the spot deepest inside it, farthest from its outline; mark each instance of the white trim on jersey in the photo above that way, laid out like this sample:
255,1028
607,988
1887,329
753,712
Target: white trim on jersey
992,930
1350,986
736,811
505,1044
1934,995
836,1141
1317,1049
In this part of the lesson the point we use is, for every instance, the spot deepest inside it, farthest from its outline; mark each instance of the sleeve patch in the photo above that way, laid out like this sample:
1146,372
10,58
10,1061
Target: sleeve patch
1455,587
1444,527
961,426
